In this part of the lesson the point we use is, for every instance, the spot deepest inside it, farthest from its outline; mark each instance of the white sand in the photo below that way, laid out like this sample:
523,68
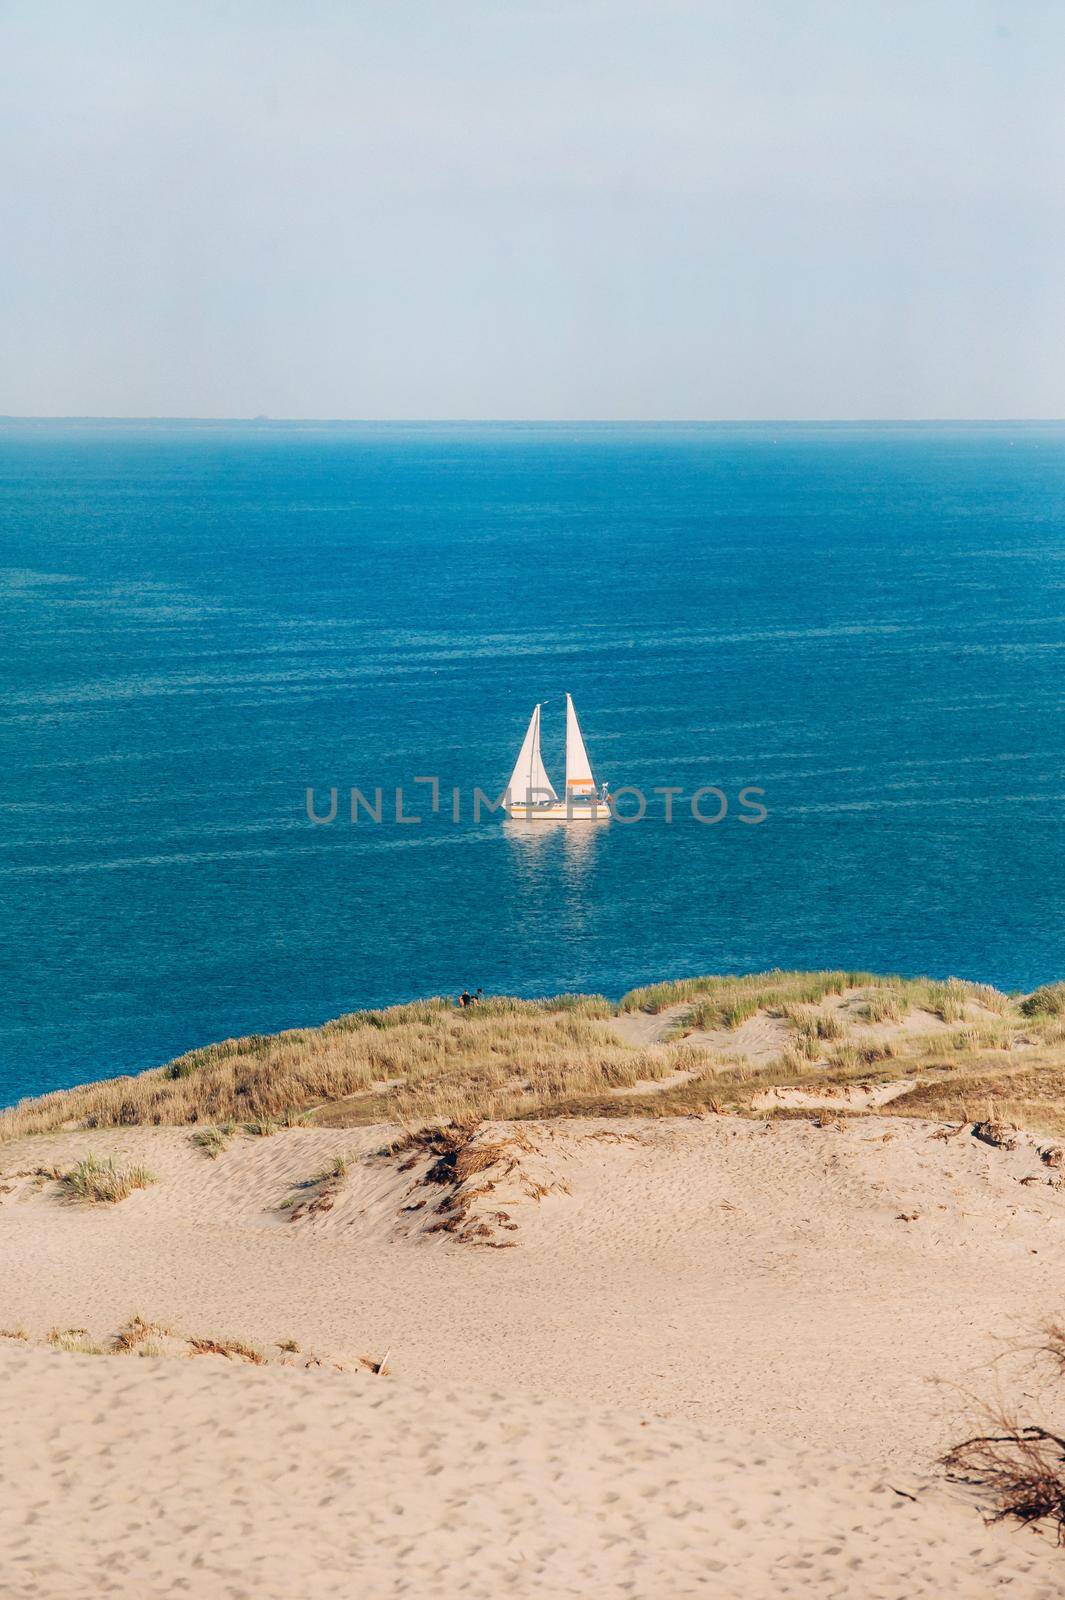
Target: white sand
726,1325
847,1096
147,1479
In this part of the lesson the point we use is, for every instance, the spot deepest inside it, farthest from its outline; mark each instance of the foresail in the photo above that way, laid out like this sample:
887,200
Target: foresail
519,779
579,778
529,779
540,784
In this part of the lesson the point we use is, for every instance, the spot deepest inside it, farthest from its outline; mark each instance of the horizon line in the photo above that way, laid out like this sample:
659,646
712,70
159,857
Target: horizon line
265,420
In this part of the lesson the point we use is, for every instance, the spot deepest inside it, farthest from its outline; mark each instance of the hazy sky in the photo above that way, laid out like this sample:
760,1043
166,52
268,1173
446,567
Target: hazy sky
533,208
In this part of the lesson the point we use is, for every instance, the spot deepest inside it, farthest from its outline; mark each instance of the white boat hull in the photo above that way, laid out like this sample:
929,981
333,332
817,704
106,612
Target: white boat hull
560,812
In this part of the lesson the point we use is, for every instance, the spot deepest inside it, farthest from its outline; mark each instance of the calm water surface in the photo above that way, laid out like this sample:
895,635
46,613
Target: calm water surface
200,621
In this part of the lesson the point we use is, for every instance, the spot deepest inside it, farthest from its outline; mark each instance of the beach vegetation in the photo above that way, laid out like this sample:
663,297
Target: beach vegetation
498,1058
138,1335
232,1349
75,1342
814,1028
263,1127
1017,1464
884,1005
1049,1001
318,1194
102,1183
508,1059
213,1140
765,991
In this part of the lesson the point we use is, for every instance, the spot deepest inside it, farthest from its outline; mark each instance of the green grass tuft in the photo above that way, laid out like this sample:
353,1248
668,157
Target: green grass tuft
212,1141
102,1183
1049,1001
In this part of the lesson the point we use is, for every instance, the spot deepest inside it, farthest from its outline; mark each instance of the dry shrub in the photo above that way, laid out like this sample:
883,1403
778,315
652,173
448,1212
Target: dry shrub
730,1013
1051,1345
847,1059
262,1127
991,999
1020,1464
441,1139
463,1159
948,999
318,1194
138,1335
459,1154
232,1349
141,1337
994,1132
788,1065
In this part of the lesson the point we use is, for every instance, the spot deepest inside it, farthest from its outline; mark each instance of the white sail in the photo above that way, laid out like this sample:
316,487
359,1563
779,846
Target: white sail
579,780
529,780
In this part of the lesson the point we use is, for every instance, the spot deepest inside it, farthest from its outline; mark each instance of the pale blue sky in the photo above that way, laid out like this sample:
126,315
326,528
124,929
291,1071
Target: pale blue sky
533,208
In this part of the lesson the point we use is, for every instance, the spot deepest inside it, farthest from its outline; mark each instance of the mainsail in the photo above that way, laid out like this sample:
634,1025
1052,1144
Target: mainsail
529,780
579,780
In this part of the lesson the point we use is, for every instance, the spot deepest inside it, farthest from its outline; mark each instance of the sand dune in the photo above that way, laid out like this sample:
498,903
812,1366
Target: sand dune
762,1038
147,1479
852,1096
728,1325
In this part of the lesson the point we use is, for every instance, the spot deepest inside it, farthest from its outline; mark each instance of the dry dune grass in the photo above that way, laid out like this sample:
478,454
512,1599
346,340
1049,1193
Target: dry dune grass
1029,1094
884,1005
725,1001
964,1045
75,1342
439,1061
959,1088
141,1337
967,1046
730,999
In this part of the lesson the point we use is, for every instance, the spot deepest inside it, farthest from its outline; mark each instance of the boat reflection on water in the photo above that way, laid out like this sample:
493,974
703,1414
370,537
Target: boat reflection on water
537,844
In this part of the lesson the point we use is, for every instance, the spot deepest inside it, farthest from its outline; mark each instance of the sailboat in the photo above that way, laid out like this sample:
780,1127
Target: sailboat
531,796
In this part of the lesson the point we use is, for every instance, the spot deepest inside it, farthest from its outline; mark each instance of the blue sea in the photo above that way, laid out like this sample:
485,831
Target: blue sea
200,621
